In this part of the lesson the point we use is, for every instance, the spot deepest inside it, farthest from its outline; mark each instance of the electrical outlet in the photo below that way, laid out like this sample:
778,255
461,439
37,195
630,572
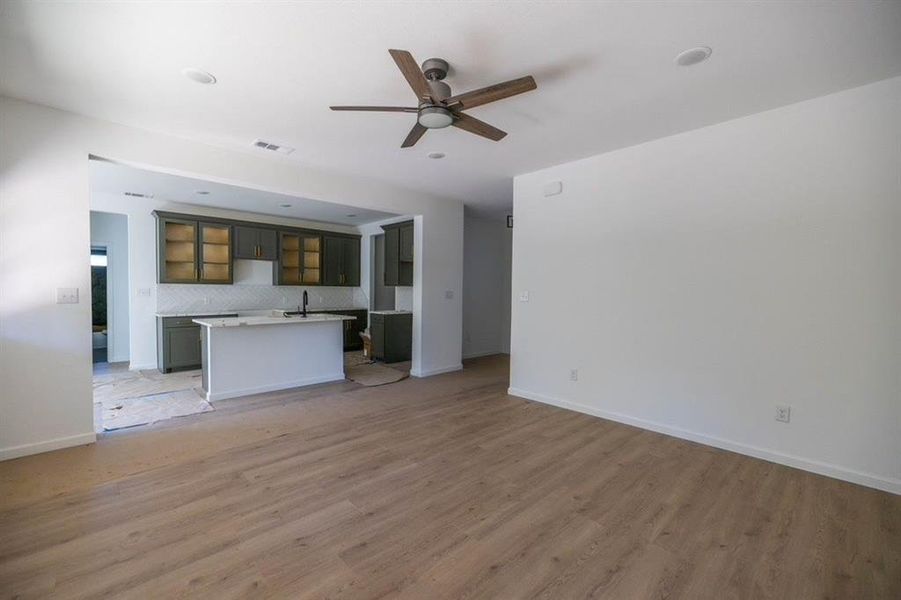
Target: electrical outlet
784,413
67,295
574,374
449,294
144,292
524,296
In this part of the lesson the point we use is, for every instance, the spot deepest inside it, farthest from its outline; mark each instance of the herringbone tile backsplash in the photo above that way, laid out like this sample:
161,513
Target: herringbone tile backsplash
181,298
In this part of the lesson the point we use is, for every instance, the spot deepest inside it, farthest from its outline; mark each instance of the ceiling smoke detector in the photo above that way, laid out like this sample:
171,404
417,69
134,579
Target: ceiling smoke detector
198,75
285,205
138,195
273,147
435,155
693,56
202,192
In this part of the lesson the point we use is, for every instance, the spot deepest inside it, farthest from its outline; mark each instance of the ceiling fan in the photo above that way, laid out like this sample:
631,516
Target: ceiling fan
437,108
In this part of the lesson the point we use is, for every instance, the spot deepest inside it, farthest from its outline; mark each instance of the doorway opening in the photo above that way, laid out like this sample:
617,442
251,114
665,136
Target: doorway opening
99,321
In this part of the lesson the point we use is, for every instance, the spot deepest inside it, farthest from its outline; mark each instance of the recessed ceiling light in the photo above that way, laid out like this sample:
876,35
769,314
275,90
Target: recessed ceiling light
693,56
202,192
435,155
285,205
198,75
351,215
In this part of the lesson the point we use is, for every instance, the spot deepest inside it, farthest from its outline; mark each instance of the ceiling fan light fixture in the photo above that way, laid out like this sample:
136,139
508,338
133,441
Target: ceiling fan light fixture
435,117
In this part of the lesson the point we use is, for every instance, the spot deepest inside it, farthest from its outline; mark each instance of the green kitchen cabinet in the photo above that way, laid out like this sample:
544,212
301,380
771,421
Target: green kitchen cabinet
193,251
256,243
392,335
341,261
352,329
178,342
399,254
300,259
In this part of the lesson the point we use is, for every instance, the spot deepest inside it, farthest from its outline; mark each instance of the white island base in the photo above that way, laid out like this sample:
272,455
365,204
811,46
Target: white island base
250,355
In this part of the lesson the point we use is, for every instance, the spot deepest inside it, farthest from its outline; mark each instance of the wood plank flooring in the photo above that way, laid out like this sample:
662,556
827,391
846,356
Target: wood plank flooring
443,487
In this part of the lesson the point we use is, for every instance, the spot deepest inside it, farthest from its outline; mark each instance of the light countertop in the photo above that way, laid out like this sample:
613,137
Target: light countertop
257,312
269,320
391,312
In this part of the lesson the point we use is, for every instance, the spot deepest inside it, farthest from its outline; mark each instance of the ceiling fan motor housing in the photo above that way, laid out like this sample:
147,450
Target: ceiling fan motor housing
435,69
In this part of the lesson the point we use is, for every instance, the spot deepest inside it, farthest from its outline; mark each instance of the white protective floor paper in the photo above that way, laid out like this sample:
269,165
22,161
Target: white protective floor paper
128,412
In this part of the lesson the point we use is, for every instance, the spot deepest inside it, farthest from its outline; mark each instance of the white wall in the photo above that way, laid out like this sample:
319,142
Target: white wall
45,348
111,231
700,280
486,285
188,298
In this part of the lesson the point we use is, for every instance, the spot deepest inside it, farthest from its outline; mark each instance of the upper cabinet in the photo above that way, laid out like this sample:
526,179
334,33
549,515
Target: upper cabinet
191,251
202,250
256,243
215,265
399,253
177,244
341,260
300,261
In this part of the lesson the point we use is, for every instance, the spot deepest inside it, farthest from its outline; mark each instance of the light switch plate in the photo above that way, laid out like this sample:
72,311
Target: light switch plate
144,292
67,295
449,294
524,296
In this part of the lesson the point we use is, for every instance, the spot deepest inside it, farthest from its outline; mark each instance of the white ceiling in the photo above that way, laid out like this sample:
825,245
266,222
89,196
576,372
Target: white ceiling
114,178
605,73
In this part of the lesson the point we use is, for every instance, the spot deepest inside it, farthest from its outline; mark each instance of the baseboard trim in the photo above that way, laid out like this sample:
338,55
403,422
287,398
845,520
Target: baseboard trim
878,482
438,371
147,367
481,354
40,447
273,387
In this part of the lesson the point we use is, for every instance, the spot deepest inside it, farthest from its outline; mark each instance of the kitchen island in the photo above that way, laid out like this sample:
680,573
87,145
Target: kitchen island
250,355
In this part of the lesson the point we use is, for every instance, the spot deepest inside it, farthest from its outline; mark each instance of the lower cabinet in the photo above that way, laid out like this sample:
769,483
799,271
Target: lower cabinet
178,343
352,329
392,336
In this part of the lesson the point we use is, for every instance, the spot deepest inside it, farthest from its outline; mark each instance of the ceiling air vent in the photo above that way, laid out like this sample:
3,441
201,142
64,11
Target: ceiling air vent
273,147
138,195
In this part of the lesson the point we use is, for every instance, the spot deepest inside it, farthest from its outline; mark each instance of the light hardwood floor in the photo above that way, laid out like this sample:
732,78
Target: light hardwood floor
436,488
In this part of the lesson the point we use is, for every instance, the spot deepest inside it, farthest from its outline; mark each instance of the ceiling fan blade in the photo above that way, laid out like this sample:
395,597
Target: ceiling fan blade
414,135
412,72
405,109
473,125
492,93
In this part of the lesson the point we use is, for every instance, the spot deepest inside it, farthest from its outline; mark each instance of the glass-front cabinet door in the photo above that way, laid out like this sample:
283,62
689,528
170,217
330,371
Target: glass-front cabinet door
215,253
289,262
299,259
312,259
178,259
